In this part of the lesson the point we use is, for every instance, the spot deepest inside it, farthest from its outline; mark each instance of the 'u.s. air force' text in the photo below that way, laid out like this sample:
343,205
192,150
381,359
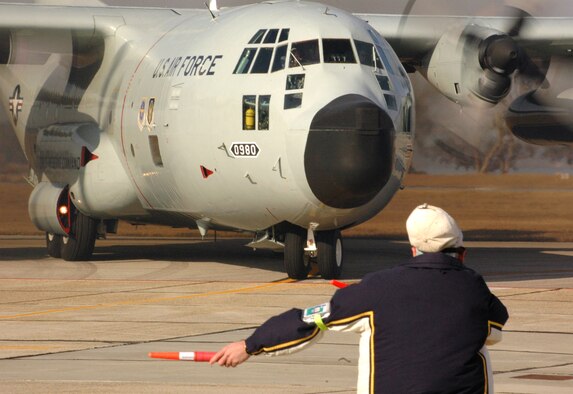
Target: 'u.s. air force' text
186,66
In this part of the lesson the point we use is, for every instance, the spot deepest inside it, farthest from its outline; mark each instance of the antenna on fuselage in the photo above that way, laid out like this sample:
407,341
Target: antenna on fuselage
212,7
327,12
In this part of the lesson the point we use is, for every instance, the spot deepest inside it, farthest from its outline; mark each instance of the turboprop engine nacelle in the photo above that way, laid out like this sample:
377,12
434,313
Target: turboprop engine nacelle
62,150
473,63
49,208
69,155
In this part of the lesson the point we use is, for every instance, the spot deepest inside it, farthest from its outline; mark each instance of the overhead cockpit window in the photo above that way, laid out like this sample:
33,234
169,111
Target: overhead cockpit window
280,58
284,35
367,54
258,58
271,36
337,51
245,61
263,61
304,53
258,37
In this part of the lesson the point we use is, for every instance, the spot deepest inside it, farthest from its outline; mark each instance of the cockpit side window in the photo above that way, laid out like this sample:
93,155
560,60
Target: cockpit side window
258,37
304,53
245,61
383,81
280,58
388,65
337,51
367,54
380,48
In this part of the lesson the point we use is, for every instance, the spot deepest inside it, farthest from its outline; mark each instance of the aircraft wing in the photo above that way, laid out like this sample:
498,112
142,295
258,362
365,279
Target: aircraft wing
414,36
79,18
468,58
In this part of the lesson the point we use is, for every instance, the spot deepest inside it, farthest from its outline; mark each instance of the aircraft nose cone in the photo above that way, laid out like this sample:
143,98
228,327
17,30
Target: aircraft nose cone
349,152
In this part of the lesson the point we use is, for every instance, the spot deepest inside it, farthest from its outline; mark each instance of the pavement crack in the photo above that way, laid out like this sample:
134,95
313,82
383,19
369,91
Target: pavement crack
83,295
530,352
532,369
531,292
538,332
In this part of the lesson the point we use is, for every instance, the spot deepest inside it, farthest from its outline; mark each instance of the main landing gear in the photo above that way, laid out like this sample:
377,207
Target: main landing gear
329,258
299,253
79,244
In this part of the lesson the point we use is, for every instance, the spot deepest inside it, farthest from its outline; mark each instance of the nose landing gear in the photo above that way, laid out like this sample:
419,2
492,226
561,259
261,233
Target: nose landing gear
328,253
297,264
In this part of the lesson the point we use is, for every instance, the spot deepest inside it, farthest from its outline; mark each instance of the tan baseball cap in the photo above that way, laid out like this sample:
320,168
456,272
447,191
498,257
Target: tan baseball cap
431,229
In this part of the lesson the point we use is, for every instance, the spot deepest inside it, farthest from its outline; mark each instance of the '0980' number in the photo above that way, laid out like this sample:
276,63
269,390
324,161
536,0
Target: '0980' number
245,149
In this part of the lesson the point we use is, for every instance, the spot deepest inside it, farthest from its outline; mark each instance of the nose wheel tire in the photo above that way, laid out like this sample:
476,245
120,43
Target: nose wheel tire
296,265
79,246
54,245
330,253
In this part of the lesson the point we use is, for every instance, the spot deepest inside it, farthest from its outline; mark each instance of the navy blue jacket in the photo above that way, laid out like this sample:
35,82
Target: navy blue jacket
422,323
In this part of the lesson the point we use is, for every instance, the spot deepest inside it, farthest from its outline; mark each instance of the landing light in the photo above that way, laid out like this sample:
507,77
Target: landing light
63,210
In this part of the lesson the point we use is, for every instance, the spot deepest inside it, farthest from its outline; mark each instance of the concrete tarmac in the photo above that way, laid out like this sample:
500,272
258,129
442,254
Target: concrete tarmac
88,327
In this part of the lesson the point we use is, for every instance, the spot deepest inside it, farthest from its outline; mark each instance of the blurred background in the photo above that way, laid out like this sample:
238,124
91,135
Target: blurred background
449,138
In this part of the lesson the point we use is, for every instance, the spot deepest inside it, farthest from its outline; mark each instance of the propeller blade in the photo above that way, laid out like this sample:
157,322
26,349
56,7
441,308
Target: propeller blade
526,66
521,18
530,70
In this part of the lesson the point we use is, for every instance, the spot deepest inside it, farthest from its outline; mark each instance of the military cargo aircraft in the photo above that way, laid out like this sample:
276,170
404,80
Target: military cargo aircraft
289,120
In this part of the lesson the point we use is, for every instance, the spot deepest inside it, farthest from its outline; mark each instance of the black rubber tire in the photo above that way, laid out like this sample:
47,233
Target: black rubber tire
330,253
54,245
79,246
296,266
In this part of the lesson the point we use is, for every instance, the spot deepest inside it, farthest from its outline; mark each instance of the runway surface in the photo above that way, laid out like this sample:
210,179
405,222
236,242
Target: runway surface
87,327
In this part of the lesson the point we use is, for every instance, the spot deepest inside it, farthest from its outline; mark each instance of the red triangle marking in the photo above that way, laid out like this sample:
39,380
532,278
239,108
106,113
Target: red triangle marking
206,172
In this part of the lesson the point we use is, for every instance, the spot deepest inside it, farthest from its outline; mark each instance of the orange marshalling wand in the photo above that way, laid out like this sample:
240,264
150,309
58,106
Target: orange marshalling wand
183,356
340,285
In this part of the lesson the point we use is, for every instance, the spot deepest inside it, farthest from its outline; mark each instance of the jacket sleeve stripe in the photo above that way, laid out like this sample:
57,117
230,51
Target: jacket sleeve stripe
287,345
485,373
350,319
366,367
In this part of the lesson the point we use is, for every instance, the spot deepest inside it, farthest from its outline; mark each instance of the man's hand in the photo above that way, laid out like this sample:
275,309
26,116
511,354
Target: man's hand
231,355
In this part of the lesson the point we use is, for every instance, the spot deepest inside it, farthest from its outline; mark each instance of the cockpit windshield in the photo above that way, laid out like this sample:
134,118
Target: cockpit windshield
304,53
337,50
280,58
263,61
270,51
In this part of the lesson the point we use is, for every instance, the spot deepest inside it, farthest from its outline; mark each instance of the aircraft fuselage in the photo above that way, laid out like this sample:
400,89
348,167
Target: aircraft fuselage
185,113
267,114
